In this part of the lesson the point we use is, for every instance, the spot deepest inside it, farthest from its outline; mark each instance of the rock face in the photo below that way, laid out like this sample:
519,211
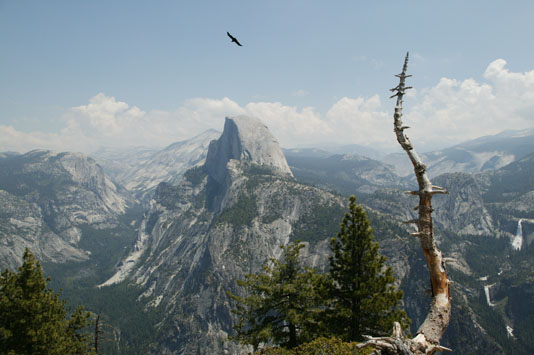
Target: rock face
46,198
247,140
193,253
463,210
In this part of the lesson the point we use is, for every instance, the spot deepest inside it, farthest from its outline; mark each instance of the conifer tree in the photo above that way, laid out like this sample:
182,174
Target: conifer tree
362,297
281,304
33,320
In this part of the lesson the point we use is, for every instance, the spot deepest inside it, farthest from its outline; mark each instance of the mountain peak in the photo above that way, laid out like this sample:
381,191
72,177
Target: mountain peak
247,140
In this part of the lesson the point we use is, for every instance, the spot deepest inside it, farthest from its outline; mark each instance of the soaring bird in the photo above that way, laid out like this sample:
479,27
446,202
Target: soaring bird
234,39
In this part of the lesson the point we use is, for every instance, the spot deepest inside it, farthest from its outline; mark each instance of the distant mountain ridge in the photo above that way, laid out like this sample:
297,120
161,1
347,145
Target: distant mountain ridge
481,154
146,168
47,196
346,174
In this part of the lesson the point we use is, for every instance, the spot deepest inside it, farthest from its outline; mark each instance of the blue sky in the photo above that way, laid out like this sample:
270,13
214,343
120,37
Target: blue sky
81,74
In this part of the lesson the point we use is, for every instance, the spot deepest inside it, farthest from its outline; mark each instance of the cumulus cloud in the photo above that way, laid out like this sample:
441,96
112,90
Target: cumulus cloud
450,112
289,124
360,121
105,121
105,115
454,111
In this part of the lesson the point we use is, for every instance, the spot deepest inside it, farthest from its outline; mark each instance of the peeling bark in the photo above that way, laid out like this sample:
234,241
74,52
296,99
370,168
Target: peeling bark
430,332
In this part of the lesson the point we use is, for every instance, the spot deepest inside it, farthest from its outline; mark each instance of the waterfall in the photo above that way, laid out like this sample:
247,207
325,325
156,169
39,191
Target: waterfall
488,298
517,241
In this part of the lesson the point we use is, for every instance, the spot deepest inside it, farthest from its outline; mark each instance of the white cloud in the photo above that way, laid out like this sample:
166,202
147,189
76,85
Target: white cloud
361,121
105,121
288,124
106,116
447,113
454,111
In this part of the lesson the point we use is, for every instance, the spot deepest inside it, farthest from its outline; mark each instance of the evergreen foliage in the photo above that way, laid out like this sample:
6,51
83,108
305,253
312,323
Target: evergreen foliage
33,318
281,304
362,297
290,305
241,213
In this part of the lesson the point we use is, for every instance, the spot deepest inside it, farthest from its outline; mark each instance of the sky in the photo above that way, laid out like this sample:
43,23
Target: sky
80,75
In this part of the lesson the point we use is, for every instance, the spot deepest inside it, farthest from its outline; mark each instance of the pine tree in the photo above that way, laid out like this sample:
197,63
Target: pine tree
33,319
281,304
363,299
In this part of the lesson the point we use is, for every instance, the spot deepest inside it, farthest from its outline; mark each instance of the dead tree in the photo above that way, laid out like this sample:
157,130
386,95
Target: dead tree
99,331
430,332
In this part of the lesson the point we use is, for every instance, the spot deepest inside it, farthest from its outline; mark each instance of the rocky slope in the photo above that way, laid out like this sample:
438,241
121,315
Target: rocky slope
118,162
227,217
141,170
46,198
222,221
485,224
345,174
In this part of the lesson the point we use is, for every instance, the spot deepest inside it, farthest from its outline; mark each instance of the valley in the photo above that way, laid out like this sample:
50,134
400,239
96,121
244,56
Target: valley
152,240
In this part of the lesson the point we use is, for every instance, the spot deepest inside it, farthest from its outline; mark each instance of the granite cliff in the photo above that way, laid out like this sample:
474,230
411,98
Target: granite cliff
46,199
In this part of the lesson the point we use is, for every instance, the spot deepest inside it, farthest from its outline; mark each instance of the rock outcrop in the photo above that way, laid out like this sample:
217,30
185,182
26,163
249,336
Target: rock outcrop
46,198
249,141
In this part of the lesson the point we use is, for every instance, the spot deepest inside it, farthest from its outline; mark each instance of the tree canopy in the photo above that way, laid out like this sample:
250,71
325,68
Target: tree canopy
363,299
281,303
33,318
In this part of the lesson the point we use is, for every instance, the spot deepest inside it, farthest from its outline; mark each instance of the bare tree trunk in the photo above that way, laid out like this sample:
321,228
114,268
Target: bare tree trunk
430,332
97,332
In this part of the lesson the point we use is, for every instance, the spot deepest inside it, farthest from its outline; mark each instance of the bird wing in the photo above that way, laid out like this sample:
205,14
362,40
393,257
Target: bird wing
234,39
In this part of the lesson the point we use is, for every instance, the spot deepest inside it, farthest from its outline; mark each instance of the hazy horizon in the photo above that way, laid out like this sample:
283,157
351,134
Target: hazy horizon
78,76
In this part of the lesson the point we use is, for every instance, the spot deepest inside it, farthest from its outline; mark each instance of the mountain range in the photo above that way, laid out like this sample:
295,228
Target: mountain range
155,238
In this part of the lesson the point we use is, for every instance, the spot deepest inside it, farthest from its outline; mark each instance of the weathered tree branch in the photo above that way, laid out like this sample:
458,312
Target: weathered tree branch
430,332
437,320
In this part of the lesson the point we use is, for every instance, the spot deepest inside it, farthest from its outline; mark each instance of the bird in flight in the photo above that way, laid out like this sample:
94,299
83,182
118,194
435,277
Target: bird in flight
234,39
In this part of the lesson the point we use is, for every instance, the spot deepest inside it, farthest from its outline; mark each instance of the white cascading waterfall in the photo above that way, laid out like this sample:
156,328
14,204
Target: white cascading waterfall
487,293
517,240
